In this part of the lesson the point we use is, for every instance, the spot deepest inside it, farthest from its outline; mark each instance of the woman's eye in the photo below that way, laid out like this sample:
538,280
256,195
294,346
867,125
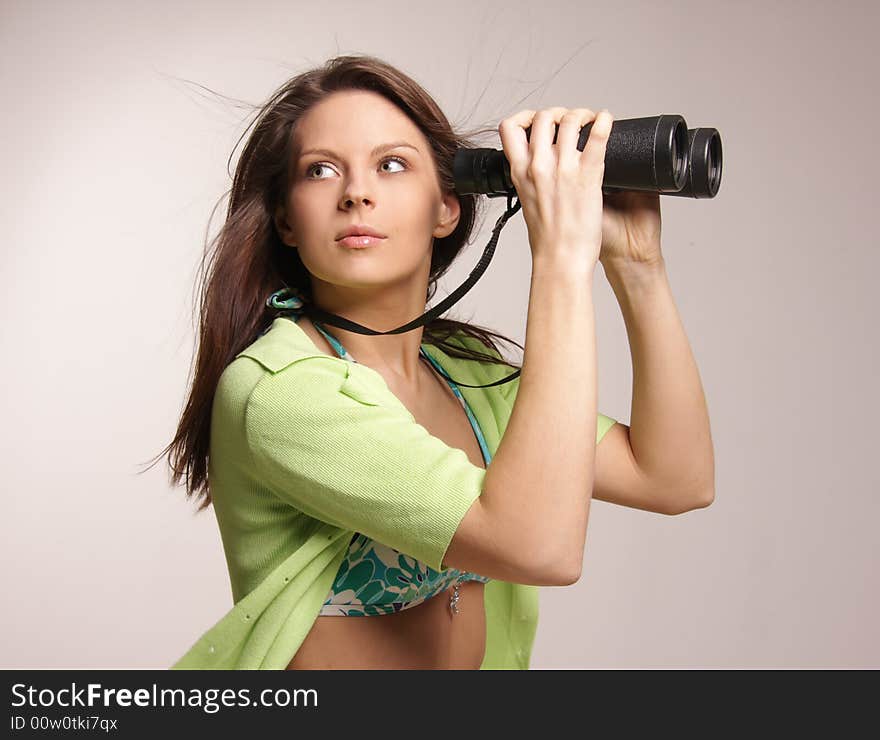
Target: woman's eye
313,168
398,160
321,165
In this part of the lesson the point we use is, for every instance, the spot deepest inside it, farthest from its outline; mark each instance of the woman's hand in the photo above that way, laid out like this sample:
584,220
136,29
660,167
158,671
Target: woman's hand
559,186
630,229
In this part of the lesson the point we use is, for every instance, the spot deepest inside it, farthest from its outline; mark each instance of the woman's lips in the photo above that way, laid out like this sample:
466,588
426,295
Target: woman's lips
359,242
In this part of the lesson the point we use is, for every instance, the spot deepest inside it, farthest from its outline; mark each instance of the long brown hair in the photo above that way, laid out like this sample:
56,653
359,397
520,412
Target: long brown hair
247,260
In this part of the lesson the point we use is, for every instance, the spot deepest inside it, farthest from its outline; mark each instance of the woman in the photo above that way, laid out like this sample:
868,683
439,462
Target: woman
351,475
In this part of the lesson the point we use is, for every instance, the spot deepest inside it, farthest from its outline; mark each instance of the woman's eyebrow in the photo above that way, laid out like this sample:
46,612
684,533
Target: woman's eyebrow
377,150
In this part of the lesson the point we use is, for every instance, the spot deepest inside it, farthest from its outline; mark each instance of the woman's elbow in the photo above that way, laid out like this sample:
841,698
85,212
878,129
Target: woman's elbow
699,501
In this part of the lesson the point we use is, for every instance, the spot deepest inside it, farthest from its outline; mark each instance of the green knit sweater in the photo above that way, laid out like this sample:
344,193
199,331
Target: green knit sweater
307,449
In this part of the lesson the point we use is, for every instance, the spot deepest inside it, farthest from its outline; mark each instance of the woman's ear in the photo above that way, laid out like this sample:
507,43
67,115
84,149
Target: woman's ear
282,227
450,212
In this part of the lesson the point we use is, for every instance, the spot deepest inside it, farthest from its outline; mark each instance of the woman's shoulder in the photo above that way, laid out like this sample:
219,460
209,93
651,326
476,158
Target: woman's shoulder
462,339
478,371
280,351
282,343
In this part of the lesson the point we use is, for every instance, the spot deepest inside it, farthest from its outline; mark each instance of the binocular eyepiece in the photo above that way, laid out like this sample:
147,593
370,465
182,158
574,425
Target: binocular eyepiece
657,154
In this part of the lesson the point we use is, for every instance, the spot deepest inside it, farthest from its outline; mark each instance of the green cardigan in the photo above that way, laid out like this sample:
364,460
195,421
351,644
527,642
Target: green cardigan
307,449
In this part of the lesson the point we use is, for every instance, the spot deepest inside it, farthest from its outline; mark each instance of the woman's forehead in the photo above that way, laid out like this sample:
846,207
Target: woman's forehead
355,121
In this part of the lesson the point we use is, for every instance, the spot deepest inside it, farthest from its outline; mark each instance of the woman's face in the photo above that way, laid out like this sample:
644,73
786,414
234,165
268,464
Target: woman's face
394,190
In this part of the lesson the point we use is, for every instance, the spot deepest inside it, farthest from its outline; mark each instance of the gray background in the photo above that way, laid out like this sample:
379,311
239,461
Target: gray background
114,154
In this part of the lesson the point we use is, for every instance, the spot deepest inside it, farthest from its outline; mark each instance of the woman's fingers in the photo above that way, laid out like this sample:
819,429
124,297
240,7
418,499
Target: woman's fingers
515,144
569,133
593,157
543,160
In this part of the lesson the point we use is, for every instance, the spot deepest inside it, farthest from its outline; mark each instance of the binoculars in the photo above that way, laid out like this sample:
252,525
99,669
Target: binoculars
657,154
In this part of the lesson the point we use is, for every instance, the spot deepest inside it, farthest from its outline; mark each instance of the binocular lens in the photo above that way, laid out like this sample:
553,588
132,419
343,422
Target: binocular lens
678,153
714,163
704,164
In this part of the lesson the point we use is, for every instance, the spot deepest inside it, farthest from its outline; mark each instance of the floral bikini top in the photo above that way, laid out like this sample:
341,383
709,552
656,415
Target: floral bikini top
374,579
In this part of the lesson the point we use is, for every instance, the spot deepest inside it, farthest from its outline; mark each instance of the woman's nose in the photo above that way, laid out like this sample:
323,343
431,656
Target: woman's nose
355,192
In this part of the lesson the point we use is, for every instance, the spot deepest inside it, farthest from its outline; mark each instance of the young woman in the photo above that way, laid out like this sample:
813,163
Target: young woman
378,508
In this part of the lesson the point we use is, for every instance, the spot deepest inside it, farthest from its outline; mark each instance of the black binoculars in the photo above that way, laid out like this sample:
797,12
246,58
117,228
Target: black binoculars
658,154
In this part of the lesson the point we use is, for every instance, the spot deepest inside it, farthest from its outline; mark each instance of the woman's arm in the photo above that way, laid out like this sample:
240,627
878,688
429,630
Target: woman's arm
669,428
533,510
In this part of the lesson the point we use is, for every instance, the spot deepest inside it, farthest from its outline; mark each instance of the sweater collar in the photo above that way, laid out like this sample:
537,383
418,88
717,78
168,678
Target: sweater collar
285,341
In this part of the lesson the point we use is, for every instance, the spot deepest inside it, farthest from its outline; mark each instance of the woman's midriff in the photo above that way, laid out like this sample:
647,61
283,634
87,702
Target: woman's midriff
424,637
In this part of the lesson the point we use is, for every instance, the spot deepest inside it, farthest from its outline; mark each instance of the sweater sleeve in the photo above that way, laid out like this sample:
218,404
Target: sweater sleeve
332,441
